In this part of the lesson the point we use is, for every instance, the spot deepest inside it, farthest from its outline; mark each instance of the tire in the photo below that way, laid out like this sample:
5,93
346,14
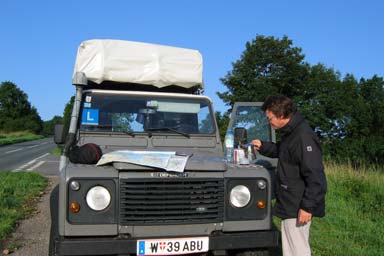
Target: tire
54,234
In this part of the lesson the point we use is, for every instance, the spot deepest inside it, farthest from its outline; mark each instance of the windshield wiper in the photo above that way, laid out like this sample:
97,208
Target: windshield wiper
168,129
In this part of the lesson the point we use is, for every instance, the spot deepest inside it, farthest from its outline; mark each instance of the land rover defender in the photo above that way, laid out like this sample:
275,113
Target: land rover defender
162,186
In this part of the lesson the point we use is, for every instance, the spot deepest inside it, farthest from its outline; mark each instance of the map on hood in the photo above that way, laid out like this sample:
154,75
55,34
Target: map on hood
166,160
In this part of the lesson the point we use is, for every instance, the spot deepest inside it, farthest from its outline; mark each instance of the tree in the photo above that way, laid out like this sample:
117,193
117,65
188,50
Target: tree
364,131
267,66
325,101
16,113
272,66
222,122
67,113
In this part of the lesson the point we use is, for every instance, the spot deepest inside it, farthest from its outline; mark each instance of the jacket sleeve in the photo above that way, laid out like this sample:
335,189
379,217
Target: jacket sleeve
269,149
312,171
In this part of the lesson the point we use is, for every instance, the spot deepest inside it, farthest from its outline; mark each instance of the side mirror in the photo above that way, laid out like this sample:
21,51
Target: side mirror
59,134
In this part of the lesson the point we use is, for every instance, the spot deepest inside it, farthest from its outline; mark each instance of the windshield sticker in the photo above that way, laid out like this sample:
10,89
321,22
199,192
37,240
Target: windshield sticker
87,105
90,117
152,103
88,98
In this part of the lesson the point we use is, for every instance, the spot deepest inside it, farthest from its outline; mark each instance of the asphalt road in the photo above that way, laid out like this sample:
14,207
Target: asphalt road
30,156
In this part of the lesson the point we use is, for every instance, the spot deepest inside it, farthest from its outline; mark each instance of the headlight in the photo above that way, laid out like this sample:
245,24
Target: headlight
240,196
98,198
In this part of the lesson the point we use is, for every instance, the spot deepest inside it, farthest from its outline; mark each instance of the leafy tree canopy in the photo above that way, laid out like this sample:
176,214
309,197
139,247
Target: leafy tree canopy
267,66
68,112
16,113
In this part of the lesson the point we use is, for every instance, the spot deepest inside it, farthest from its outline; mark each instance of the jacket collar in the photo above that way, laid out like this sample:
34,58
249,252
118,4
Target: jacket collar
295,120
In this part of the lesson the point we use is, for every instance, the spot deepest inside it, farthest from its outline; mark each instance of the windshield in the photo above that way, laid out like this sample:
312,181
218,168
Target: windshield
111,112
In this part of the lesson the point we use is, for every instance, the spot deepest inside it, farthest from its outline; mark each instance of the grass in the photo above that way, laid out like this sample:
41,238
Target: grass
16,137
17,191
354,221
57,151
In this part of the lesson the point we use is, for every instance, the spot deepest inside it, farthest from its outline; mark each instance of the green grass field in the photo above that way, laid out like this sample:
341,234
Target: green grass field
17,190
16,137
354,221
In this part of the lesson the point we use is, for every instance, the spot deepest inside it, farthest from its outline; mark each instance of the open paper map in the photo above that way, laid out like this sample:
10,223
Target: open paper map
166,160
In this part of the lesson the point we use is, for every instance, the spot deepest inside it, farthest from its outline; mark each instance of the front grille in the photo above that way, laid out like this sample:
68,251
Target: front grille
171,201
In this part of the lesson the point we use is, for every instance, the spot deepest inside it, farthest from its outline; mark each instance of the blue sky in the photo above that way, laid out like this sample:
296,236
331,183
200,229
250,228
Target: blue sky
39,39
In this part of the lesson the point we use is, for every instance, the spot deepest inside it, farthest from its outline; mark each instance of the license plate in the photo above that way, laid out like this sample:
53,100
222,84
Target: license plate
172,246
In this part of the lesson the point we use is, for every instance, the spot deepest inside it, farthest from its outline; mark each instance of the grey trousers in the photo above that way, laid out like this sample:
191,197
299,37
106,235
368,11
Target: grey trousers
295,238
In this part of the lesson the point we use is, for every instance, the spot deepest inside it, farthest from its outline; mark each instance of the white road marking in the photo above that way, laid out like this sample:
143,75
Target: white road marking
29,163
35,166
33,146
11,151
25,165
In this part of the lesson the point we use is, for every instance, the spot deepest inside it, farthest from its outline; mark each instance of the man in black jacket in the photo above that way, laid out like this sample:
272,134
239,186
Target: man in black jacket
301,184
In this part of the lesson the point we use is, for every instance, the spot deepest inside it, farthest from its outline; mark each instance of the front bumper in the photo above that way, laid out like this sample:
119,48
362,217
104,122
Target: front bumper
124,246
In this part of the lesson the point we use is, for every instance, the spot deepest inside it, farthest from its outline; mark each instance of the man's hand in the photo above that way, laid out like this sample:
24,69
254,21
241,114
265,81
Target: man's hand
256,144
304,217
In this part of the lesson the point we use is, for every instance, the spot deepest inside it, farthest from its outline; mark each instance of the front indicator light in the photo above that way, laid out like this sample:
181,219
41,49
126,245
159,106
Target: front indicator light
261,204
240,196
74,207
98,198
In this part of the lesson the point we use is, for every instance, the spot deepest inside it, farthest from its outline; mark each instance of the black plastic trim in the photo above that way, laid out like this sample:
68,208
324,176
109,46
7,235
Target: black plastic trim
120,246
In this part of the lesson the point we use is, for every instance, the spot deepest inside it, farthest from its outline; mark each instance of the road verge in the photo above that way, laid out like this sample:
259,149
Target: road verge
17,191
